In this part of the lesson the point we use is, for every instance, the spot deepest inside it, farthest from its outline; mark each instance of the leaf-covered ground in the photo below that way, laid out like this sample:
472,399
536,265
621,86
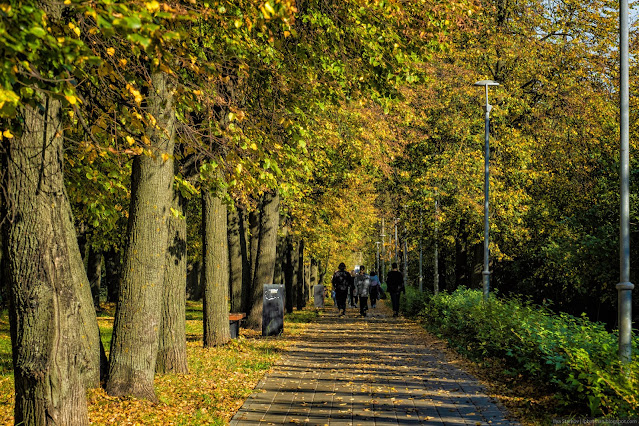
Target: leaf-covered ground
218,382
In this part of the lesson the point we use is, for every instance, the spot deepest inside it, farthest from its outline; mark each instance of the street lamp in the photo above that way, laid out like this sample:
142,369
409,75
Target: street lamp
436,257
377,243
486,272
625,287
383,235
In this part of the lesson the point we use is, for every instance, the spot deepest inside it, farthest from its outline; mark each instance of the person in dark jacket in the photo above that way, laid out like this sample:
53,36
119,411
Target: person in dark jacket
395,285
341,281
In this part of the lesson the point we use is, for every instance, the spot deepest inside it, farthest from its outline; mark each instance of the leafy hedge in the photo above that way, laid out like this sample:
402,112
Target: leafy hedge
578,357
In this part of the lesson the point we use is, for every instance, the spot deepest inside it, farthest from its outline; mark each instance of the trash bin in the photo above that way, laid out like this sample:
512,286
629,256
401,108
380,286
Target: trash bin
318,295
273,310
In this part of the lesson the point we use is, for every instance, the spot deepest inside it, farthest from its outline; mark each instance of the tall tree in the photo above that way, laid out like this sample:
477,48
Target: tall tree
172,339
238,260
46,334
134,346
290,273
215,270
265,254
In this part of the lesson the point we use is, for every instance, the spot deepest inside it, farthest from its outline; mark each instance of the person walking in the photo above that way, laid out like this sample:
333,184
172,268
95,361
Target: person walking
395,286
362,285
341,281
352,291
374,289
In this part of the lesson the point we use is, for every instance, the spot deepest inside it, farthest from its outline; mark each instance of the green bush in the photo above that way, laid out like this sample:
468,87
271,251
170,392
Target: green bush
578,357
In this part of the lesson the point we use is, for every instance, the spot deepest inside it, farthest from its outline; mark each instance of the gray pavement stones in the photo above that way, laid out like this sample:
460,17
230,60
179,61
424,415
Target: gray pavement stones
367,371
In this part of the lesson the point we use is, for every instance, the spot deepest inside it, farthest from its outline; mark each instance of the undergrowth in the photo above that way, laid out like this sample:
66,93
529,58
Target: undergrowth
578,358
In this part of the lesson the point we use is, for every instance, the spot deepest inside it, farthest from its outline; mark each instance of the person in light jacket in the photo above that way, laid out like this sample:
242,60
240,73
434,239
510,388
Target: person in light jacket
374,289
362,288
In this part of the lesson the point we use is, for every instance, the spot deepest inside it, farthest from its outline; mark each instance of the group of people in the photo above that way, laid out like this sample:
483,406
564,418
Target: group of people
362,286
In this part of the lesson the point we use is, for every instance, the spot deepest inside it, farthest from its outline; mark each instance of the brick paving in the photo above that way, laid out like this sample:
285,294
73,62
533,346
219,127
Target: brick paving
367,371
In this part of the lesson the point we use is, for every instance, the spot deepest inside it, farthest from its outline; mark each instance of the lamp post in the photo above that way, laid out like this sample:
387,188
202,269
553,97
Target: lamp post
377,243
421,231
486,272
383,235
436,257
625,287
396,243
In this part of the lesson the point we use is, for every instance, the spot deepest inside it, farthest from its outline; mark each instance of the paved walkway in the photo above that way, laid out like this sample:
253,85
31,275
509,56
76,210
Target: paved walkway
367,371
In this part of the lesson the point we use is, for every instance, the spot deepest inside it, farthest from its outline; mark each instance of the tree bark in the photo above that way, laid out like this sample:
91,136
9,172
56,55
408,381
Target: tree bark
301,276
94,274
307,282
49,356
136,327
172,340
280,256
239,268
112,274
215,271
290,273
313,274
265,254
193,281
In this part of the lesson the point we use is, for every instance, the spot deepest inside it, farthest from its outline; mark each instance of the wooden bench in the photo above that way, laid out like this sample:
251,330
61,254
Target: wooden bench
234,323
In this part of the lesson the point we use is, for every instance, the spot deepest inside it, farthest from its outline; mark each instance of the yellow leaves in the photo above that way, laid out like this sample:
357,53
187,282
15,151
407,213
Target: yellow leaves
8,102
71,99
75,29
7,134
165,157
152,6
130,140
110,51
137,97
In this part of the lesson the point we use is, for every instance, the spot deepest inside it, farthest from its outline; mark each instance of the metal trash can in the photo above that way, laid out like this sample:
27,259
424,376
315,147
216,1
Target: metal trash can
273,310
318,295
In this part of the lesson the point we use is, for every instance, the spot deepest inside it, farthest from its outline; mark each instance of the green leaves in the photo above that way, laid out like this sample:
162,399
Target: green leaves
577,356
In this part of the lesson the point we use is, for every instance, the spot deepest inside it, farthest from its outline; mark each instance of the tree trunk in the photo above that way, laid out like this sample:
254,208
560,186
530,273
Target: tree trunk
254,244
290,273
307,282
194,281
239,268
321,266
265,254
172,342
94,274
280,256
313,274
301,283
215,271
136,327
47,329
461,261
4,285
112,274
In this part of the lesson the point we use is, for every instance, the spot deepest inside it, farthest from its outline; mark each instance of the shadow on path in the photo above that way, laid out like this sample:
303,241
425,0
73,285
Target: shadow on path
367,371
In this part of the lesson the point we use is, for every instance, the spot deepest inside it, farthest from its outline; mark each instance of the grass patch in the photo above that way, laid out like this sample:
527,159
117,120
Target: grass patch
219,379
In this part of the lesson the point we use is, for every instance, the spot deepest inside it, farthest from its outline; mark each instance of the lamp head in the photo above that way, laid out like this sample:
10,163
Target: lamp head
486,83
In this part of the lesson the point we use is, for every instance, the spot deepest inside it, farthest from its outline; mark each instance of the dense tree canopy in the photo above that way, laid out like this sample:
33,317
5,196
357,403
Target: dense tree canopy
349,113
